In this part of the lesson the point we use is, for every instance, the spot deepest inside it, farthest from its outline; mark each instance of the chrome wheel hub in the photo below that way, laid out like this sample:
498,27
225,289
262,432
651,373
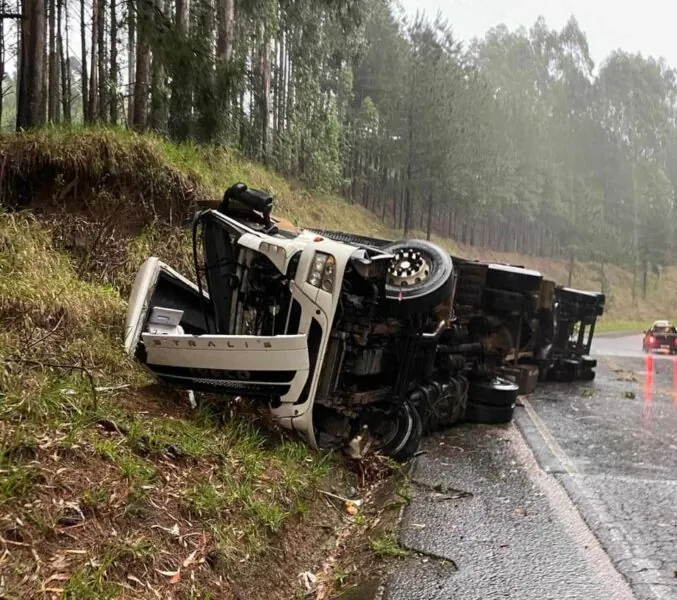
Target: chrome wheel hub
409,267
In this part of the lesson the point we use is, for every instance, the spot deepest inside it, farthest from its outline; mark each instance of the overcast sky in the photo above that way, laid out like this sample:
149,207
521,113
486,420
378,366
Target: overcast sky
646,26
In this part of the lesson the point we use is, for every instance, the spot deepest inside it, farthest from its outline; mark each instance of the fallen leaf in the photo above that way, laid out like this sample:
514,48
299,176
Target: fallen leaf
59,563
190,559
176,578
56,577
167,573
135,580
174,530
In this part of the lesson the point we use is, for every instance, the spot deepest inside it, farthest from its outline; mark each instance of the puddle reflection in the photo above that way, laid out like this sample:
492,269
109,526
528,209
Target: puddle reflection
648,390
649,371
674,382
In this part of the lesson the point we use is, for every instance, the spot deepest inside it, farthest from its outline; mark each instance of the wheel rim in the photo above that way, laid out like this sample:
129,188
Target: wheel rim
503,385
385,427
409,267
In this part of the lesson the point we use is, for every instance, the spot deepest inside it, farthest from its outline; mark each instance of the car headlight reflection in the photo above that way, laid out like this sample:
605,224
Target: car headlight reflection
322,271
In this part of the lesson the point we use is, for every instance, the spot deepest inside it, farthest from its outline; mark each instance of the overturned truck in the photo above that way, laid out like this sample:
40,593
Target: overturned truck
353,342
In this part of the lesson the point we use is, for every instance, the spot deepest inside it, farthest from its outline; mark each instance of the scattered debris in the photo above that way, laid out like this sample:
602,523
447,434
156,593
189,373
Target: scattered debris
442,491
346,501
351,507
174,530
308,581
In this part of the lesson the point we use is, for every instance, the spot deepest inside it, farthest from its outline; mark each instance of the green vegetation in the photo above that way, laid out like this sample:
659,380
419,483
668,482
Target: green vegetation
109,248
516,141
388,546
606,326
127,480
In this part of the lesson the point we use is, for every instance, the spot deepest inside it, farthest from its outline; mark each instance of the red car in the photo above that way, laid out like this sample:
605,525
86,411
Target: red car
662,335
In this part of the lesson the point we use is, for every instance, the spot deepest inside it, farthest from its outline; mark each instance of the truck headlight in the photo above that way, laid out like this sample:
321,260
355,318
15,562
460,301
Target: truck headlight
322,271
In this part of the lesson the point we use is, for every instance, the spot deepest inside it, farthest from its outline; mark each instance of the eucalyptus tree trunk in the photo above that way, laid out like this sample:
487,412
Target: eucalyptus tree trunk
84,79
131,59
141,78
2,59
265,94
158,86
31,96
181,92
104,87
64,61
52,93
94,79
430,214
113,68
226,29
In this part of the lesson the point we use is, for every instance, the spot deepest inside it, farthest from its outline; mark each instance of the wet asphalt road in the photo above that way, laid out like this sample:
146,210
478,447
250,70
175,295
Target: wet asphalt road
576,499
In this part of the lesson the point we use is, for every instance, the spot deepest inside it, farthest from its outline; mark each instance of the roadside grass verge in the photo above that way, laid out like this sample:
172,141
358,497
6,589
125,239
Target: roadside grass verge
121,490
388,546
621,326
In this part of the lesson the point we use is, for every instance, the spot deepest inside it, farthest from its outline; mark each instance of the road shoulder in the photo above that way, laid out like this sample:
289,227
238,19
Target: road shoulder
486,522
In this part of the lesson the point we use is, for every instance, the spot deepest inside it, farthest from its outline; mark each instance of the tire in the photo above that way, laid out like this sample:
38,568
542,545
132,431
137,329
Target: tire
543,370
488,415
563,371
588,362
440,405
587,375
400,424
408,293
499,392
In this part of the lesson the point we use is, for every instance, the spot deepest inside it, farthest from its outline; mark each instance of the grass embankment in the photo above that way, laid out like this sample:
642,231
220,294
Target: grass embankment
111,486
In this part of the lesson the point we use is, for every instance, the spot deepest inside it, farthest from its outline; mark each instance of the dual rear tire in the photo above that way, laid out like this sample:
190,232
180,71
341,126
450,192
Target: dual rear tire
397,428
491,401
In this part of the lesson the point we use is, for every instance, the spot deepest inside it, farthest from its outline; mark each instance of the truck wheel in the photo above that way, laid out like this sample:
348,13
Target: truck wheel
588,362
498,391
566,370
488,415
419,277
396,428
587,375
